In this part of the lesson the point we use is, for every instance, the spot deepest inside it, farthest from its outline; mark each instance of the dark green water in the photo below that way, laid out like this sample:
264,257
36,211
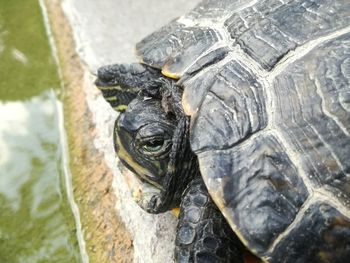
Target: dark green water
36,221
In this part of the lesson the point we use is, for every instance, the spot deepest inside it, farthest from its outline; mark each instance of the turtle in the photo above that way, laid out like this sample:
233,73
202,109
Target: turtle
238,113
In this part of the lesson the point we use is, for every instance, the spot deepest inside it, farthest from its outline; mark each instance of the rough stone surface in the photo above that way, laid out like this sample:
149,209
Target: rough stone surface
106,32
106,238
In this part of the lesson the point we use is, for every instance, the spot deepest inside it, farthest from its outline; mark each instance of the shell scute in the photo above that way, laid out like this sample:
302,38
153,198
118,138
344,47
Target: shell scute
310,116
270,118
233,109
322,235
257,187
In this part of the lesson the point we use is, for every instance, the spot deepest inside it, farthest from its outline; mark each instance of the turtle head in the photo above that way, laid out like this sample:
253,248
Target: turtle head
143,143
151,139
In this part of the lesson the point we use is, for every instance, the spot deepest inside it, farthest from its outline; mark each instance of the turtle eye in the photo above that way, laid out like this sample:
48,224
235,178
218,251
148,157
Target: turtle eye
153,141
153,146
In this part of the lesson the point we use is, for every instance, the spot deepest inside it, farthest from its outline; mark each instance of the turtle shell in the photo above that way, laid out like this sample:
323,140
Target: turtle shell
266,84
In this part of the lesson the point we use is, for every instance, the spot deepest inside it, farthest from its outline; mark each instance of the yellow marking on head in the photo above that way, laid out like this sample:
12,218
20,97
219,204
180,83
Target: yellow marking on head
121,107
141,171
112,98
123,154
110,88
176,211
118,88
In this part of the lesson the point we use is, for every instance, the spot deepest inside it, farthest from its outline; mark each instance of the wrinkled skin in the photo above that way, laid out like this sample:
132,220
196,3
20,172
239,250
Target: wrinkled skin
150,135
143,142
151,140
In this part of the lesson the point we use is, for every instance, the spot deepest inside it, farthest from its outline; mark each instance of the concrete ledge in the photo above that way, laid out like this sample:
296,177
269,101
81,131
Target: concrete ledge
106,237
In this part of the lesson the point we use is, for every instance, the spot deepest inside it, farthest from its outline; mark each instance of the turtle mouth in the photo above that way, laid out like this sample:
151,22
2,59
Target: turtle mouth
146,195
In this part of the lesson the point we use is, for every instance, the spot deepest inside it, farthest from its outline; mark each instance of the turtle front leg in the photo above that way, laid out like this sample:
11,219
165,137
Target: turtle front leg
203,235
